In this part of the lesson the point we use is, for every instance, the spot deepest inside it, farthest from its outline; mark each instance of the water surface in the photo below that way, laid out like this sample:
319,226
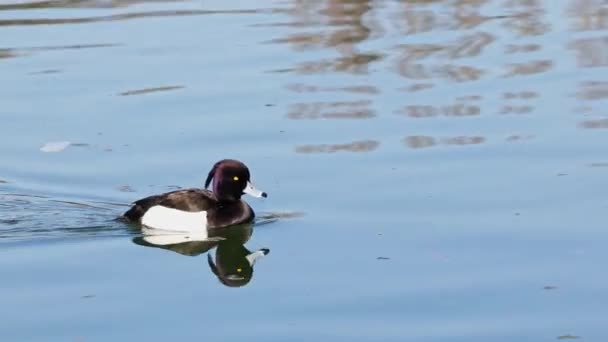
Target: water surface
437,168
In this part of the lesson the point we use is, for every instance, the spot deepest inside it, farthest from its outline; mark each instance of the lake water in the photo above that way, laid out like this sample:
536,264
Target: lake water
436,170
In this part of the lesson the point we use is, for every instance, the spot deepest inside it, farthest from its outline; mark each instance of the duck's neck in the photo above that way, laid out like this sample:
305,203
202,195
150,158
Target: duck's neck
223,203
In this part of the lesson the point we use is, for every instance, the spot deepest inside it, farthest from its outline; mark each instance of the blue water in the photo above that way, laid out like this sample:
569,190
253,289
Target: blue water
435,169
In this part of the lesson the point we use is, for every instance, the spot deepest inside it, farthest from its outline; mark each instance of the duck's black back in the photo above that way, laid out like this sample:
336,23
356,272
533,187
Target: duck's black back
187,200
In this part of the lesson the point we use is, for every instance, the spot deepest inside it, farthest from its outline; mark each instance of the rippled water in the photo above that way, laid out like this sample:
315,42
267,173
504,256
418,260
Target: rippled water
435,169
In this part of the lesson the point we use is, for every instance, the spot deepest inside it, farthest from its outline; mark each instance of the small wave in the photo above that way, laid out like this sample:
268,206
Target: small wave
28,217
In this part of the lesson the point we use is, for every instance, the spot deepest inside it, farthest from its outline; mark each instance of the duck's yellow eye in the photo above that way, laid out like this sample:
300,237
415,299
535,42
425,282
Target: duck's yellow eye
238,270
235,178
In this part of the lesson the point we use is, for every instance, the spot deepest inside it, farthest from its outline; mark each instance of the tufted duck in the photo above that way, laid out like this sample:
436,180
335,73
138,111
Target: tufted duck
191,210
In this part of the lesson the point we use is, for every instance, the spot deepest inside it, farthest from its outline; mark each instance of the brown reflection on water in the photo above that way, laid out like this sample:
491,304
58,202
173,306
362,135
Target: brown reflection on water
6,53
518,102
433,46
529,68
594,90
595,124
526,17
418,17
303,88
591,52
419,141
423,141
410,63
417,87
426,62
519,138
336,24
337,27
123,16
588,15
462,108
332,110
522,48
460,35
355,146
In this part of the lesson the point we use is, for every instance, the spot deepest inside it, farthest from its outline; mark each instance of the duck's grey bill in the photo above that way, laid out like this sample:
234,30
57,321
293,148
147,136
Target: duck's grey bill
251,190
253,257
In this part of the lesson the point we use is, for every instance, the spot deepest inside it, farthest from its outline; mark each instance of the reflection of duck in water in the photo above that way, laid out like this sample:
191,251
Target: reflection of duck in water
193,210
233,261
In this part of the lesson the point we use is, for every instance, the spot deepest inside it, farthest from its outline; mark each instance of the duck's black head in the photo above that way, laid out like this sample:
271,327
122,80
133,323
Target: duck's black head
234,266
231,179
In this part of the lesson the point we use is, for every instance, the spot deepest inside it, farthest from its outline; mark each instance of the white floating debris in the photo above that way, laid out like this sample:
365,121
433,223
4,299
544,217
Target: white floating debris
55,146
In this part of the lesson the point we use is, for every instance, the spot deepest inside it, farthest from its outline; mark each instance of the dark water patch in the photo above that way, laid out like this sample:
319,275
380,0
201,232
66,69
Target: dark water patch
68,47
79,204
598,164
125,16
114,204
25,51
9,222
55,4
46,72
24,195
150,90
278,215
125,188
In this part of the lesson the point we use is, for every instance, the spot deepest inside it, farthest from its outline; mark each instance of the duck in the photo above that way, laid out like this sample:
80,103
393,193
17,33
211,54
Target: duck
197,210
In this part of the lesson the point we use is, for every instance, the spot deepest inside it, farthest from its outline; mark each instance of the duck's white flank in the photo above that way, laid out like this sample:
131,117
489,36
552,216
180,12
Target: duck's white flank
174,220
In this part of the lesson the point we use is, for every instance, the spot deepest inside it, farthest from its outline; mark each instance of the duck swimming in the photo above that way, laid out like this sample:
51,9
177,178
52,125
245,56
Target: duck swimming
191,210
